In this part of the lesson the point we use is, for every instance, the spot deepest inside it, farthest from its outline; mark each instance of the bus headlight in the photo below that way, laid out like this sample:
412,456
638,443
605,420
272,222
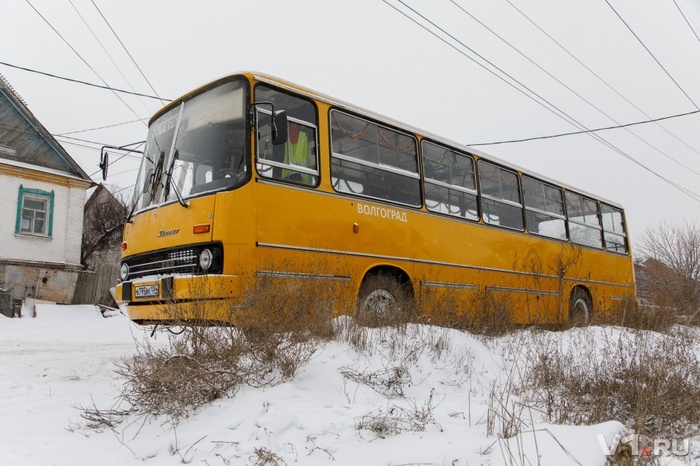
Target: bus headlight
205,259
124,271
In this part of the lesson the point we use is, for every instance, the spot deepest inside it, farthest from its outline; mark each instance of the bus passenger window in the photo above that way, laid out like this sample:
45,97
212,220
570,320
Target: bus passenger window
295,161
614,229
544,209
373,161
500,196
584,223
450,182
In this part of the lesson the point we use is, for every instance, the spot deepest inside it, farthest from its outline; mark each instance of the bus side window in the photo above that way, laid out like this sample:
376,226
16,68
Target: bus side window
373,161
295,161
614,229
450,182
544,208
500,196
583,220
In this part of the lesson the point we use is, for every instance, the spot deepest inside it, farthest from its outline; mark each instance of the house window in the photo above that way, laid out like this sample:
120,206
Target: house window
34,212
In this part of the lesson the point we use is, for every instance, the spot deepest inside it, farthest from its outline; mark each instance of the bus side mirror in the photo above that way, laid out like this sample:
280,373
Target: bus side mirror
279,127
104,163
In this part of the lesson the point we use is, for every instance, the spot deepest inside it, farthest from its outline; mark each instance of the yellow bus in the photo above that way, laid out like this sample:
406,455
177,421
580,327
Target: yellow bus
252,178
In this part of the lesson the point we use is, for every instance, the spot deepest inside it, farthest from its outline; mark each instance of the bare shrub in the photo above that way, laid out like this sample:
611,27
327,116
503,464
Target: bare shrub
647,380
670,275
396,419
194,369
264,457
389,381
278,331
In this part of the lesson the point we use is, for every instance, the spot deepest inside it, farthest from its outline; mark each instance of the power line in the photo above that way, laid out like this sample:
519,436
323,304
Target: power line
652,55
603,81
620,125
532,94
687,21
101,127
96,143
685,17
107,53
573,133
80,56
560,113
127,51
109,88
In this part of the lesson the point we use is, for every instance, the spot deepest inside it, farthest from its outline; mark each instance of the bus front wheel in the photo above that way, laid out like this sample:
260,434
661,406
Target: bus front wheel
580,307
381,300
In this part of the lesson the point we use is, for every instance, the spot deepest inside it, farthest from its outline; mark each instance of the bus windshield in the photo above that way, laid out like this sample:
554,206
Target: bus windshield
198,146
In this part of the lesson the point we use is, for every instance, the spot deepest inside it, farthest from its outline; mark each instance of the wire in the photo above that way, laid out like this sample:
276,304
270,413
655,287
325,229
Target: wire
542,101
127,51
572,133
652,55
100,127
565,50
558,112
687,21
108,54
571,90
80,56
109,88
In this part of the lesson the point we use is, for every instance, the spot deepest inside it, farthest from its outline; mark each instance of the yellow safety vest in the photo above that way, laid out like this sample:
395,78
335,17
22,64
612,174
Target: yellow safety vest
297,154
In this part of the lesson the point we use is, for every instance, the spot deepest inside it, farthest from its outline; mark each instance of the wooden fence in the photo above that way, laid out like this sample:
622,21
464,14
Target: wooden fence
93,287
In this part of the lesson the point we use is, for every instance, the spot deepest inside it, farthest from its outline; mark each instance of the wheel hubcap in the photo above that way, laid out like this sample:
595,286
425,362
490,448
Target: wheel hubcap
581,309
378,302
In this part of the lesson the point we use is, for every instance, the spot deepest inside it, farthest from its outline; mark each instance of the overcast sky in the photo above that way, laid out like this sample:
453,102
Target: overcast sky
482,72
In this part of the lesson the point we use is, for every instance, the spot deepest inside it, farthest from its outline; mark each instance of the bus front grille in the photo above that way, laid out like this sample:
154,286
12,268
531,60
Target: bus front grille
183,260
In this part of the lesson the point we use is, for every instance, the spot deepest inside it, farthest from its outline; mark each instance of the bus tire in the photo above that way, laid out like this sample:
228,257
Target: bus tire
381,300
580,307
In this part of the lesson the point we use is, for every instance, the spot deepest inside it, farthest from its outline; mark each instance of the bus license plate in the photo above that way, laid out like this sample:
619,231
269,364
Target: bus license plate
146,291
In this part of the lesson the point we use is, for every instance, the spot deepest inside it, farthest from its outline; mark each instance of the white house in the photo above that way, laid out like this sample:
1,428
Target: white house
42,196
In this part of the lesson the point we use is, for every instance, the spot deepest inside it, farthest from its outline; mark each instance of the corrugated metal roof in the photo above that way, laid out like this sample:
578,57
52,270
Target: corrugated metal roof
24,139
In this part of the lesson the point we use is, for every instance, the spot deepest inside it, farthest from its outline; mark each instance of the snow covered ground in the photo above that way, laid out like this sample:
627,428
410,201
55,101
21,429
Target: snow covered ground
64,359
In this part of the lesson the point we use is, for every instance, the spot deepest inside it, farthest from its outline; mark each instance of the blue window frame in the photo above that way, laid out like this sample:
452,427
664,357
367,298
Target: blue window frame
34,212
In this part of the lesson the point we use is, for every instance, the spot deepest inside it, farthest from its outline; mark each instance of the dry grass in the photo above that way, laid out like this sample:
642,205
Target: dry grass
482,313
632,373
638,317
646,380
397,419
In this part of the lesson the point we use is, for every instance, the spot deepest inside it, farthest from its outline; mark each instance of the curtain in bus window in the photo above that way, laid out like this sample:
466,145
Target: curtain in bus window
450,182
544,209
500,196
613,229
584,223
373,161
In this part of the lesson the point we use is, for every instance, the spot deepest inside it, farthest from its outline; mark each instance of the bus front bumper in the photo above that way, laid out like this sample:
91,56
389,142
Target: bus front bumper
177,298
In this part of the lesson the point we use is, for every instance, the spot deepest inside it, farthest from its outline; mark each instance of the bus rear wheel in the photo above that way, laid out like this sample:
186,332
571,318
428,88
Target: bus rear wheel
382,300
580,307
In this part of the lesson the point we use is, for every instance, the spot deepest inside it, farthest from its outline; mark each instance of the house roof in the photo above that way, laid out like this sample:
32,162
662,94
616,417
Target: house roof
24,139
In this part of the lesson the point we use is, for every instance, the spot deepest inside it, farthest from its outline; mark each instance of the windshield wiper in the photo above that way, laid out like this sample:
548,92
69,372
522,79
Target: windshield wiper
169,181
